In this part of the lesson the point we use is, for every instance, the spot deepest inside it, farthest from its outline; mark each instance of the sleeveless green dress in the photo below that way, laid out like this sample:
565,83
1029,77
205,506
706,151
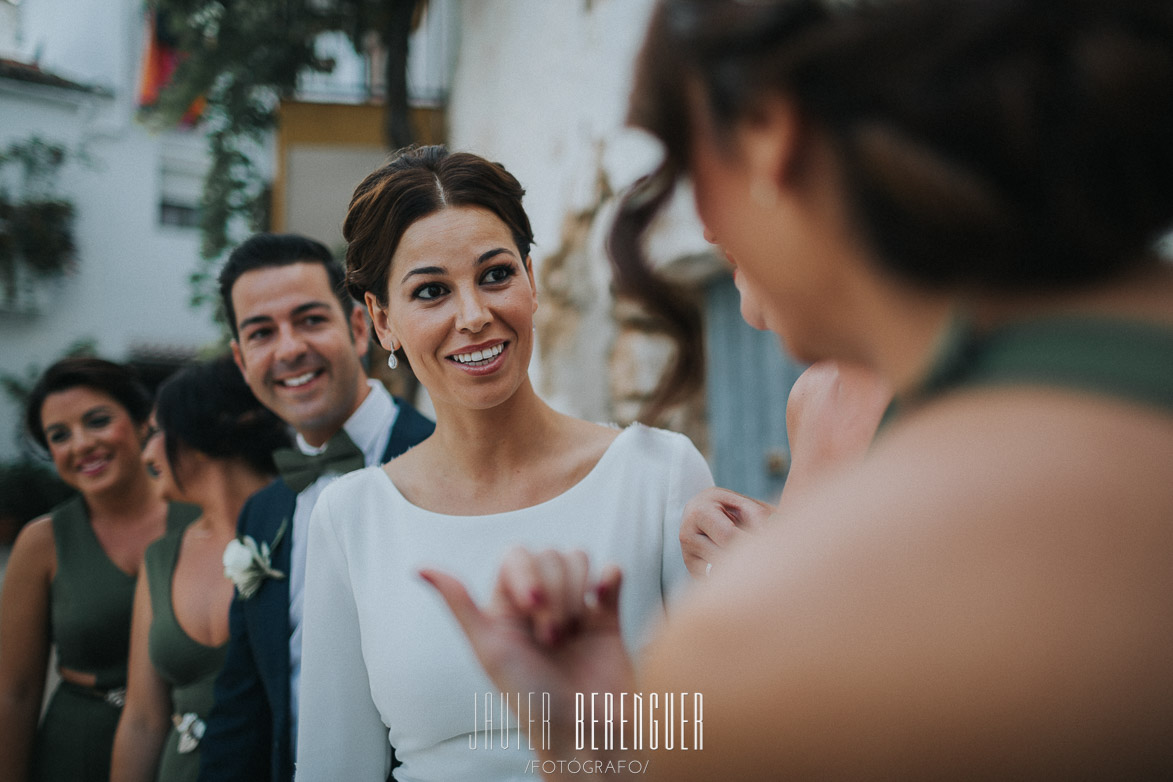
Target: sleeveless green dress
188,666
90,605
1127,360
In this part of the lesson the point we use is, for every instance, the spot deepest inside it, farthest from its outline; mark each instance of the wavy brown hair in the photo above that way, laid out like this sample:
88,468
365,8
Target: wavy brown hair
987,145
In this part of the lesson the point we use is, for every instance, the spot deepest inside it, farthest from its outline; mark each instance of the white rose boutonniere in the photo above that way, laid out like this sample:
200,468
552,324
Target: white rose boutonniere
248,564
191,729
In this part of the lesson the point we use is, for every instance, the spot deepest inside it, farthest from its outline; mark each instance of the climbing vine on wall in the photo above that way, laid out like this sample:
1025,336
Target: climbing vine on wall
36,223
240,58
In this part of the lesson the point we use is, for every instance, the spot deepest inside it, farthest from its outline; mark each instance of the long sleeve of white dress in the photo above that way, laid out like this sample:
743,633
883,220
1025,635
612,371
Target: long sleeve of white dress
345,734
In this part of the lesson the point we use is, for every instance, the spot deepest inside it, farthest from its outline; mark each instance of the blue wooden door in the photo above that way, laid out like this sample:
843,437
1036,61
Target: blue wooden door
748,379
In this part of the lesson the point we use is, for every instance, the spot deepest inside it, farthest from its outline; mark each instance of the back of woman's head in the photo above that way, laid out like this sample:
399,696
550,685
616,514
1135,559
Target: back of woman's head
994,144
984,145
417,182
116,381
208,407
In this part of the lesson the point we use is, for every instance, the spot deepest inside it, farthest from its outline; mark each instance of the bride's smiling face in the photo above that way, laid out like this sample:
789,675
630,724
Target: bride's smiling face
460,302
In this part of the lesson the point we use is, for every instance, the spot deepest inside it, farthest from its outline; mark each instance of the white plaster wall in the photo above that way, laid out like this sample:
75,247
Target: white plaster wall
542,87
321,180
9,28
130,285
84,40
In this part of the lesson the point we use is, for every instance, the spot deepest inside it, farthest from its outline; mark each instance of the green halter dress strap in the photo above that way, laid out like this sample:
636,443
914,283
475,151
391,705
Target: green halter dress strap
1129,360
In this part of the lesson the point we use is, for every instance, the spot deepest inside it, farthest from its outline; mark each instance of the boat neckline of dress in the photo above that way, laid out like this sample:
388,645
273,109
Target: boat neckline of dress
561,496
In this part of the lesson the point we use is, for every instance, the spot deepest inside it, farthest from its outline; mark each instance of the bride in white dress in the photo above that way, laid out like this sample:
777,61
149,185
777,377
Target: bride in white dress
439,251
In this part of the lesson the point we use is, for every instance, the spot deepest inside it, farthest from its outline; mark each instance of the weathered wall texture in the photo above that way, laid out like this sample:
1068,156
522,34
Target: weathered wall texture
542,87
128,291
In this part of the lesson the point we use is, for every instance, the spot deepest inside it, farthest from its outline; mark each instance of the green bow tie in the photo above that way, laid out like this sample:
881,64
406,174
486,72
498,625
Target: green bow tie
299,469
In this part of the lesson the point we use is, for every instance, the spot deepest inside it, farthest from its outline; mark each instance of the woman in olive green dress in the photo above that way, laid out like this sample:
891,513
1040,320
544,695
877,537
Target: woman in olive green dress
212,447
70,578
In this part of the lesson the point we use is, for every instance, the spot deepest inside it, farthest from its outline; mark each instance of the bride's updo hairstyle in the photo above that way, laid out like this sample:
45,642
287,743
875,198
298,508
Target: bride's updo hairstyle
986,146
417,182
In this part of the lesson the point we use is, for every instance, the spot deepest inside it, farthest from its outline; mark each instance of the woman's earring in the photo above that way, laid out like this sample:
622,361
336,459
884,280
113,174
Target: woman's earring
392,362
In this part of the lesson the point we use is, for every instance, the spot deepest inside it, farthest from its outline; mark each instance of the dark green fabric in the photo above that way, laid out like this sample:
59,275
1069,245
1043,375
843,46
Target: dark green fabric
299,469
188,666
90,605
1127,360
91,599
75,738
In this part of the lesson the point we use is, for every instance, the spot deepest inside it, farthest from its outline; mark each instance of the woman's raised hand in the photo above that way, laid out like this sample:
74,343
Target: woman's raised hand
548,628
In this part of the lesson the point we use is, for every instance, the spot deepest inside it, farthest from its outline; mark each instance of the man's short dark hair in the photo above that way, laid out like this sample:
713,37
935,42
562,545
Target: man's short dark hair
263,251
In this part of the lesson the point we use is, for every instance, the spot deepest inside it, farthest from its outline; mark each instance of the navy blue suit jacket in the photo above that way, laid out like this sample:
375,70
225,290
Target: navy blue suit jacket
247,735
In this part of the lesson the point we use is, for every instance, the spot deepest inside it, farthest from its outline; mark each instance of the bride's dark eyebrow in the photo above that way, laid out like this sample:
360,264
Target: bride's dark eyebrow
485,256
490,254
423,270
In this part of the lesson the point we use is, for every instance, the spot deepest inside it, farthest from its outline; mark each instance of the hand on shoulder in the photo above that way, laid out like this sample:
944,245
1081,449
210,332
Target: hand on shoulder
713,521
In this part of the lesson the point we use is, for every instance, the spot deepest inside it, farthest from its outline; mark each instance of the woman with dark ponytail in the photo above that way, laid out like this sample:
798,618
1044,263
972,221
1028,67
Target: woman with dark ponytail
967,197
211,446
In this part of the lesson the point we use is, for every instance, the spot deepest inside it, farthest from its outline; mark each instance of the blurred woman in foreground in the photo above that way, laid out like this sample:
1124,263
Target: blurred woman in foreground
966,197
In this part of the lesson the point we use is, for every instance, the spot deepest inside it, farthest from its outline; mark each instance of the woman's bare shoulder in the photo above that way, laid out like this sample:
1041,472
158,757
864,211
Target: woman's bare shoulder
833,410
990,584
1032,441
34,550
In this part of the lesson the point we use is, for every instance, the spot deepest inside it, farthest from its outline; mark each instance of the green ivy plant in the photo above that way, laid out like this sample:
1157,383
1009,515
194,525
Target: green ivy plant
36,224
241,57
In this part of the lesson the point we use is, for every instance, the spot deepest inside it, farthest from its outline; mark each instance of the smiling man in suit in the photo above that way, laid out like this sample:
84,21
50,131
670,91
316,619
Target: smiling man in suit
298,339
